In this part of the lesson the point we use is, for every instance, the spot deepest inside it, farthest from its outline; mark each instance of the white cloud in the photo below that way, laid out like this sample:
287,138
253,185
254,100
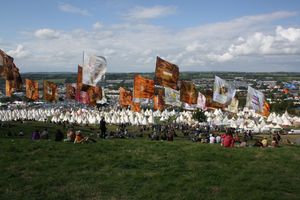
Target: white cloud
72,9
97,25
144,13
291,34
19,52
47,34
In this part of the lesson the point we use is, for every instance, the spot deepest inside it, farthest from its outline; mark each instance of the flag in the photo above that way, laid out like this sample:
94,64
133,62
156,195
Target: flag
172,97
89,94
266,109
166,73
143,88
70,90
9,71
158,102
135,107
255,99
94,70
201,101
223,91
50,91
125,97
79,78
209,101
233,106
32,89
9,88
188,92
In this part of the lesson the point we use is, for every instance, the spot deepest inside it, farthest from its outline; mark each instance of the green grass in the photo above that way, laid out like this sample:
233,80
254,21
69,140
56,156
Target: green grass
143,169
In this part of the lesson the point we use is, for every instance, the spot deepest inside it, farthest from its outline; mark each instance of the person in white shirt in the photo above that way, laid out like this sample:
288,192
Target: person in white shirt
218,139
211,139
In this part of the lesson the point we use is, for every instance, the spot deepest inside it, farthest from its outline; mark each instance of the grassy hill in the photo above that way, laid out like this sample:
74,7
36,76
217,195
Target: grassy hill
143,169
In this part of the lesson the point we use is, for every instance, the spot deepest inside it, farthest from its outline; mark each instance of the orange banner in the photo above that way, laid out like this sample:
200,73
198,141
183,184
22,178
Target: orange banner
9,88
135,107
166,73
50,91
188,92
32,90
89,94
9,71
143,87
158,102
125,98
266,109
79,78
209,101
70,91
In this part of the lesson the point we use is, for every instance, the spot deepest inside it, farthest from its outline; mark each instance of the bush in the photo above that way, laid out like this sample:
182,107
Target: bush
199,116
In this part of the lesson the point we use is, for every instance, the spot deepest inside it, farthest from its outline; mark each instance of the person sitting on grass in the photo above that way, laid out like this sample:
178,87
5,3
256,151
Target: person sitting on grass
211,139
257,143
35,135
274,142
59,136
218,139
70,136
264,142
228,140
79,137
45,134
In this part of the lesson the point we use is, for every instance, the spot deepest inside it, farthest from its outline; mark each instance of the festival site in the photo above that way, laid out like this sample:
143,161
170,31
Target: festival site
190,123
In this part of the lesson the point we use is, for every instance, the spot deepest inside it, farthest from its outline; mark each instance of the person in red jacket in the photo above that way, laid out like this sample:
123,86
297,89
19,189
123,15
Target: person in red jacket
228,140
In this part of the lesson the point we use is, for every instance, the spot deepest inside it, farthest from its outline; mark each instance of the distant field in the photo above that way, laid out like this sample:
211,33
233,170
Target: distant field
142,169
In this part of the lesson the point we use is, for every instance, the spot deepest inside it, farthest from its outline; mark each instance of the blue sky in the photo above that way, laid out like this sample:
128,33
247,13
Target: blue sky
209,35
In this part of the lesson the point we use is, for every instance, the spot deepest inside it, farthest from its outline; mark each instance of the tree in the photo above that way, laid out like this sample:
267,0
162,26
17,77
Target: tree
199,116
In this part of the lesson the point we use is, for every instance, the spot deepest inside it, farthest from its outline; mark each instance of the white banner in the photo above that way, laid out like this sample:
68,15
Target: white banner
94,70
255,99
223,91
172,97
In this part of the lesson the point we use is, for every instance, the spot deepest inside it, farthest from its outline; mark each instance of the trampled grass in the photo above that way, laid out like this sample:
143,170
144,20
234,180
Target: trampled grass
143,169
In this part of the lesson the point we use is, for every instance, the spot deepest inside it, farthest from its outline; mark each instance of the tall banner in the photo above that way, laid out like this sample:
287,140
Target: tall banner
158,102
223,91
188,92
143,88
94,70
201,101
89,94
9,71
50,91
166,73
9,88
125,97
135,107
233,106
172,97
266,109
79,78
255,100
32,89
210,104
70,90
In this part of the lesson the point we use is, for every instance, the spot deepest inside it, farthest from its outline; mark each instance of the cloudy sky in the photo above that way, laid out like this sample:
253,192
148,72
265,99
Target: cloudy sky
208,35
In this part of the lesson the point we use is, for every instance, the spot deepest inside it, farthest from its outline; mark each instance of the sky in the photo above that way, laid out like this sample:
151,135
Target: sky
197,35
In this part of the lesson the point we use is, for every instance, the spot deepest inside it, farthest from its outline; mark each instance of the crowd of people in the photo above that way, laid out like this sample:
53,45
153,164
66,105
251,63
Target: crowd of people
226,137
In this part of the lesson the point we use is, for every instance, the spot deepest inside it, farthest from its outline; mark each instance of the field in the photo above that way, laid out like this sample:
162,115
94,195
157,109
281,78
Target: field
142,169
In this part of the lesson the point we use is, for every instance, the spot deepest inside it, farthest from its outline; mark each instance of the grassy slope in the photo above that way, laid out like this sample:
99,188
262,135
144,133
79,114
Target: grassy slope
142,169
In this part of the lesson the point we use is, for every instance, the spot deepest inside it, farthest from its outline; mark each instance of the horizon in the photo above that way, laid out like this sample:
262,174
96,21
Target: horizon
248,36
